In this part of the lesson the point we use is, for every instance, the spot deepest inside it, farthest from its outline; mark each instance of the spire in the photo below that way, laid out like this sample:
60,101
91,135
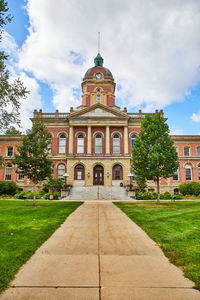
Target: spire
98,61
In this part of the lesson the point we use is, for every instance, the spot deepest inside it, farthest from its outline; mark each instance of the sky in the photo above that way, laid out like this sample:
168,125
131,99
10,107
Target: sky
152,48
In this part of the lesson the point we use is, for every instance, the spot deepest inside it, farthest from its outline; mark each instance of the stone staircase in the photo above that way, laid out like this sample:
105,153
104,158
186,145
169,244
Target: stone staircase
98,193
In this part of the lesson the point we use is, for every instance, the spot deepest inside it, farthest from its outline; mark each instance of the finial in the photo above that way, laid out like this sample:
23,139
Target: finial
98,42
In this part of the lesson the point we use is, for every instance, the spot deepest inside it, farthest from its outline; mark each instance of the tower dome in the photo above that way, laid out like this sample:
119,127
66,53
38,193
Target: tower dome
98,66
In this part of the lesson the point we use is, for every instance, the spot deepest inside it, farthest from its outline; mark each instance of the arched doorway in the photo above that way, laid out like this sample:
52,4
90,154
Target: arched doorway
98,175
79,172
117,173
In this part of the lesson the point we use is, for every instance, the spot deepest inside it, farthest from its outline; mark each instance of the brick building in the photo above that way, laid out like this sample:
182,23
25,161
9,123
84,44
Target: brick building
92,143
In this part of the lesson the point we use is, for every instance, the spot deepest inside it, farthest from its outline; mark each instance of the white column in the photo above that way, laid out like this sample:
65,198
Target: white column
107,140
125,140
71,139
89,139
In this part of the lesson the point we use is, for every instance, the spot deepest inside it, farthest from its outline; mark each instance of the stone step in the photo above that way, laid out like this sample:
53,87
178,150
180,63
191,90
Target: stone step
98,193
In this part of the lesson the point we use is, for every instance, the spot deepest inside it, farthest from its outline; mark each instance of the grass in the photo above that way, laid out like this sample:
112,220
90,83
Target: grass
23,228
174,225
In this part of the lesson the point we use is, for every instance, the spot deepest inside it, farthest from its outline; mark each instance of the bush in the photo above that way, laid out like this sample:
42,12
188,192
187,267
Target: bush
29,195
46,196
190,188
56,195
178,196
186,188
40,194
165,196
21,195
143,196
8,187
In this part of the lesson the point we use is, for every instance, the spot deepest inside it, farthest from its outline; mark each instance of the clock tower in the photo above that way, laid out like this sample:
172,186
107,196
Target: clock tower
98,85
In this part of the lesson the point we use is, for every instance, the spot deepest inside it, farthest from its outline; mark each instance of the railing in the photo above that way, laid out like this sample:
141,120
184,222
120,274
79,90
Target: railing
55,115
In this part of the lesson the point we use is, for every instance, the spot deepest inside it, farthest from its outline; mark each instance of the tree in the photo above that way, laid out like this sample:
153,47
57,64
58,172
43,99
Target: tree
10,93
54,184
154,156
32,160
13,131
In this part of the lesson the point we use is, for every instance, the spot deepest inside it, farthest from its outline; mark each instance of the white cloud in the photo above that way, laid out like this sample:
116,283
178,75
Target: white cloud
176,131
196,117
33,99
152,47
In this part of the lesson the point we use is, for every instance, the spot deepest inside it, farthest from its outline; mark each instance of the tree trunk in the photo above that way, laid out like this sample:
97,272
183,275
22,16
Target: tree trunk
34,196
158,190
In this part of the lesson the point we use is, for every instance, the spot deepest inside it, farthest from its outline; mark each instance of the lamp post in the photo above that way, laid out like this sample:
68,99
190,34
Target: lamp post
130,175
65,178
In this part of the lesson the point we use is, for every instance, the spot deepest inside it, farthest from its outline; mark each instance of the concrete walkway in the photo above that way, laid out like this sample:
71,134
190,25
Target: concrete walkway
99,253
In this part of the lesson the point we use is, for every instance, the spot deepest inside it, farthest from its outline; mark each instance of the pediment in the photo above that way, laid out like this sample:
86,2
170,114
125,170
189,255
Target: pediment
98,111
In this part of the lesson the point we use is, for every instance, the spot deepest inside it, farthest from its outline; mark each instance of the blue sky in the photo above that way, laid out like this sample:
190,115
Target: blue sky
155,63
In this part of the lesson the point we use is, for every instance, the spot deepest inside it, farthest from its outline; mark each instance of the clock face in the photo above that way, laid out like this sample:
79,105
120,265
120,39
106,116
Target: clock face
98,76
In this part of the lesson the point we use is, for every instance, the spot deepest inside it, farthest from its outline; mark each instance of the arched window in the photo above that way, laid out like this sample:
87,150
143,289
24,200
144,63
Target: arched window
116,143
133,137
176,176
188,172
8,172
117,172
98,143
62,143
61,171
98,96
49,146
80,143
199,171
79,172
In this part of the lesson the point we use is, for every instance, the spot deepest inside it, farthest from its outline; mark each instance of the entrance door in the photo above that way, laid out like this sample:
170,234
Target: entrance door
98,175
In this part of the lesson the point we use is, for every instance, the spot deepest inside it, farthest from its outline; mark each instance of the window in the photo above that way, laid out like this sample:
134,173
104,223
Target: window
198,151
133,137
98,98
62,143
188,172
8,171
49,146
176,149
98,143
20,177
175,176
61,171
80,143
10,151
186,151
199,171
116,143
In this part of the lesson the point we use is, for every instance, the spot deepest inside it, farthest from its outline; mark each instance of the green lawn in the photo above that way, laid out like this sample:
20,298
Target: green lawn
23,228
174,225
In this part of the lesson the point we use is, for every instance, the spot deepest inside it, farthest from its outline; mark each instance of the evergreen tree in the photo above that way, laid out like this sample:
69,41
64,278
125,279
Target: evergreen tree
32,160
154,156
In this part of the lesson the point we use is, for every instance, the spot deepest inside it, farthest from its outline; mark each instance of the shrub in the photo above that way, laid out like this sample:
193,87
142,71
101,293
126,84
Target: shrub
21,195
8,187
29,195
56,195
40,194
178,196
46,196
186,188
165,196
190,188
143,196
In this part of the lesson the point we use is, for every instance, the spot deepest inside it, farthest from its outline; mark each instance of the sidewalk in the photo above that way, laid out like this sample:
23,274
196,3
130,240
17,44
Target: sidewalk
99,253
